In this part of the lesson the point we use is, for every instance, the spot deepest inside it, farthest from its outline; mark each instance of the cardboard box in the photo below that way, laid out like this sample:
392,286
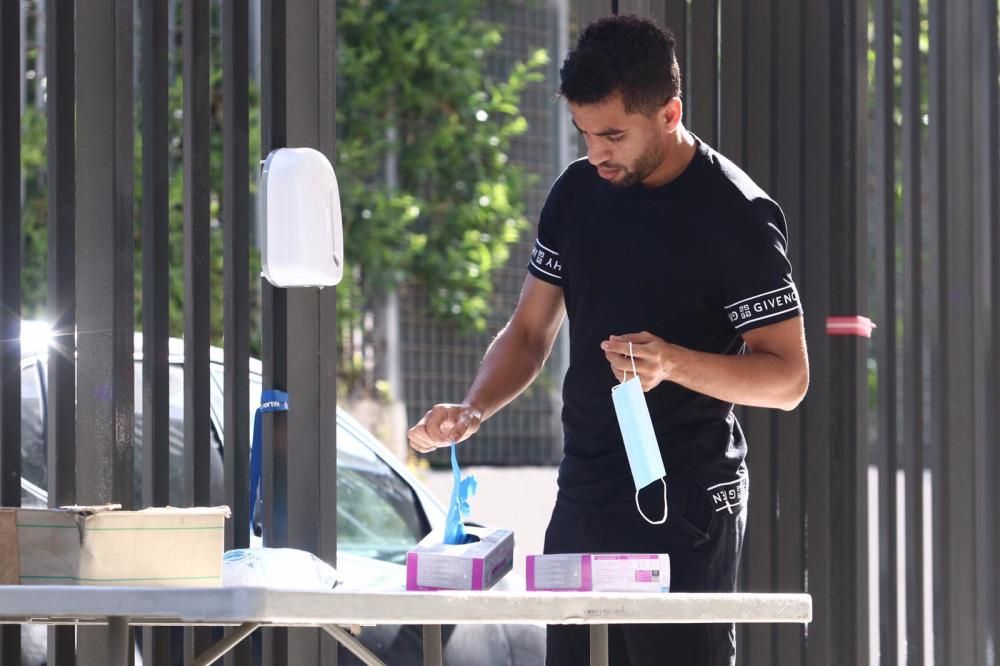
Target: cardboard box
432,565
599,572
162,547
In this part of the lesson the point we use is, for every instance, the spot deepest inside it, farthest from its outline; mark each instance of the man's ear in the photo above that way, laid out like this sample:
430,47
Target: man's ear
672,113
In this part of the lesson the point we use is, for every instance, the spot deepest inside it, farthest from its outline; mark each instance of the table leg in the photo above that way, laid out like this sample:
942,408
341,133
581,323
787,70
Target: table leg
432,645
118,642
214,653
354,645
598,645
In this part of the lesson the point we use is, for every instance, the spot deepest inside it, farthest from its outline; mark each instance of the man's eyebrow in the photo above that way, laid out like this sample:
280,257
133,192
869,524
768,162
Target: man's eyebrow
611,131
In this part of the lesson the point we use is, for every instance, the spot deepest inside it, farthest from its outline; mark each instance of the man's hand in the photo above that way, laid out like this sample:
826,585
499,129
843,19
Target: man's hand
653,357
444,425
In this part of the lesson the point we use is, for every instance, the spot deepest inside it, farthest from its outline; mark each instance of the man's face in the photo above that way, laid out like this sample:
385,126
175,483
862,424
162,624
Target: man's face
625,147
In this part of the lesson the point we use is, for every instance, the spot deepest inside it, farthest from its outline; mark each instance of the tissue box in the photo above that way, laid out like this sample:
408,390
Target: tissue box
432,565
599,572
102,546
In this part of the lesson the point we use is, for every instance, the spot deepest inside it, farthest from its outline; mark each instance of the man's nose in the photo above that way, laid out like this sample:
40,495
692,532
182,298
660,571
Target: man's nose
597,155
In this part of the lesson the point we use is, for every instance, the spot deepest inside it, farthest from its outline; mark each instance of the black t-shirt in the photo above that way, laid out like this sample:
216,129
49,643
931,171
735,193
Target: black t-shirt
696,262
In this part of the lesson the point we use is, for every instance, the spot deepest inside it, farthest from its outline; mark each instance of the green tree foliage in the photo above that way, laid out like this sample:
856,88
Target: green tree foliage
413,67
412,85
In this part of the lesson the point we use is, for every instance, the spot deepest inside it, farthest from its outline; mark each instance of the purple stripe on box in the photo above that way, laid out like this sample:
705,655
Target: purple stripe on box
411,571
529,570
477,574
586,577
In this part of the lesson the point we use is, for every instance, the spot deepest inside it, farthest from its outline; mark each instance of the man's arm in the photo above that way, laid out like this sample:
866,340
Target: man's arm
774,374
512,361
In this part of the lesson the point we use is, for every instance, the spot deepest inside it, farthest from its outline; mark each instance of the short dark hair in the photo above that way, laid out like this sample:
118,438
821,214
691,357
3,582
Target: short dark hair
627,55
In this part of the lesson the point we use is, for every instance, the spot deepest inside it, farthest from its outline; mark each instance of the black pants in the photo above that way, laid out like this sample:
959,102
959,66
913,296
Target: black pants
704,547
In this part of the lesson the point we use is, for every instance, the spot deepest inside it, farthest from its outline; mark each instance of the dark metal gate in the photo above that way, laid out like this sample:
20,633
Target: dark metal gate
91,70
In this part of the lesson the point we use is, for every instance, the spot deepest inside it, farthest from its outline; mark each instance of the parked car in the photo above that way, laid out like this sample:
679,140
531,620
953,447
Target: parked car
382,510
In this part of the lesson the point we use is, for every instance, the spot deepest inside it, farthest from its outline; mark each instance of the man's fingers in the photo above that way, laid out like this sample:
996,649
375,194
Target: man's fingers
464,427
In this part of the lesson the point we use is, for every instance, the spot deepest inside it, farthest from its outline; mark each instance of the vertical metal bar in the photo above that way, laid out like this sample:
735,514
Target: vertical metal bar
732,78
732,115
10,257
912,443
104,261
10,281
983,161
834,416
432,645
197,258
991,79
960,637
326,142
703,102
275,310
760,538
310,68
60,106
155,281
637,7
675,17
788,567
938,116
588,11
885,259
236,279
118,642
599,645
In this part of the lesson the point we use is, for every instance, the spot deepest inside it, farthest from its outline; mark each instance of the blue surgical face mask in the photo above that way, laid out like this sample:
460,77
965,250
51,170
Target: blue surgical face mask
640,439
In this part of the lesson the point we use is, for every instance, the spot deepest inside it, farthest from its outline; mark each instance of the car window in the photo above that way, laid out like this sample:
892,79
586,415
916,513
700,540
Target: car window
378,513
34,448
176,441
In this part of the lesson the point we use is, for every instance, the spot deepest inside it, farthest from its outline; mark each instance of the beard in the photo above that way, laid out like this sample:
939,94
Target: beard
645,164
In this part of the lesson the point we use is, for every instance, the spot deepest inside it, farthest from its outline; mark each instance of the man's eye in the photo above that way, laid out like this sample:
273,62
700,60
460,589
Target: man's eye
617,138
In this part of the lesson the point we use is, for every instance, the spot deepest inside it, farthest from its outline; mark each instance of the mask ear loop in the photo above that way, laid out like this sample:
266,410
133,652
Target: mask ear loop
661,520
625,372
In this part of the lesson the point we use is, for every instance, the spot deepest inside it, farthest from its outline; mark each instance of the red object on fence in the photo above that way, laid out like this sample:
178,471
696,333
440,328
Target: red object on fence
852,325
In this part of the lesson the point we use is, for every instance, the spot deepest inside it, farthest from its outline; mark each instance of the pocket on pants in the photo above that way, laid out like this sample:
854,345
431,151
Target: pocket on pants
691,510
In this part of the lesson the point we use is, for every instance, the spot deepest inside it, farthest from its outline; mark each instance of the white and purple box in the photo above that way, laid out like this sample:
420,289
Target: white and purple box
599,572
433,565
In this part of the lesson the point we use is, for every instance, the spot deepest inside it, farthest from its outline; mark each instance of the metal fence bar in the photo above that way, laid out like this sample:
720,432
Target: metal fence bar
702,114
960,638
884,235
104,263
675,18
275,311
236,279
983,159
813,280
731,142
990,183
60,110
936,214
832,281
913,432
155,282
787,451
310,35
759,547
10,281
326,59
197,285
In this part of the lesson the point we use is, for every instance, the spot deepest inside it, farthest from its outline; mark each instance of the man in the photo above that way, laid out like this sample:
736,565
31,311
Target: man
658,246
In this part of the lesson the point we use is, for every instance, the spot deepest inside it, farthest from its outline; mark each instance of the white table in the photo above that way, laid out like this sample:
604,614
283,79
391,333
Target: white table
250,608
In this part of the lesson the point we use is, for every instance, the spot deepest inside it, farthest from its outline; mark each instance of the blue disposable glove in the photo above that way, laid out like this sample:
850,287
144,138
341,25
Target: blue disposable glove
458,508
